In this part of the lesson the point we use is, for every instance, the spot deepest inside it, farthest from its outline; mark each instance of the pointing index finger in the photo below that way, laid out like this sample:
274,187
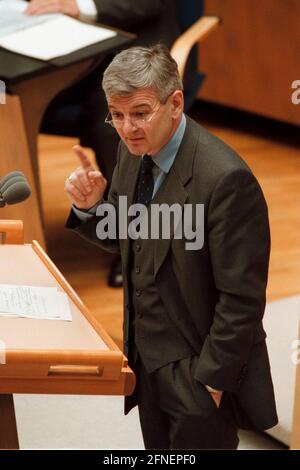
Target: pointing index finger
84,160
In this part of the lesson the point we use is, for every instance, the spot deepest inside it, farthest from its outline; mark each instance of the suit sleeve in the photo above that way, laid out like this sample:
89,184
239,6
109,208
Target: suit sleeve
125,13
239,243
88,229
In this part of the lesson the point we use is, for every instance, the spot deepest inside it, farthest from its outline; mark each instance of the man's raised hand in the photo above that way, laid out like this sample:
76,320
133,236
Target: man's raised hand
85,186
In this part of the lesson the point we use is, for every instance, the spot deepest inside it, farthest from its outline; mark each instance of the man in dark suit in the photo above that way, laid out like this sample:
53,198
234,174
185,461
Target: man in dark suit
80,110
192,314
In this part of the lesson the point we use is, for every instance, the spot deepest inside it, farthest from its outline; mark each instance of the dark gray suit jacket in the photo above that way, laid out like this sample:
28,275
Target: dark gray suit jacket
215,296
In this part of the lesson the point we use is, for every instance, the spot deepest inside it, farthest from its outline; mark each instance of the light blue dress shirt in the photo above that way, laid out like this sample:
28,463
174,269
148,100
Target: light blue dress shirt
164,159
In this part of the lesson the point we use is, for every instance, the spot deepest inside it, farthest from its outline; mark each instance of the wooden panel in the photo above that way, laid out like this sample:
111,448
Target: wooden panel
8,428
14,155
11,231
36,94
20,120
253,58
71,386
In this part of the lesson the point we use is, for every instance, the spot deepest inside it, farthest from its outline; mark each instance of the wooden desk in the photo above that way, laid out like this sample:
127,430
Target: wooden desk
31,85
49,356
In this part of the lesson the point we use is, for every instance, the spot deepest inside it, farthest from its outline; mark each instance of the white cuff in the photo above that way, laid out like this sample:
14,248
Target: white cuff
87,9
85,215
212,390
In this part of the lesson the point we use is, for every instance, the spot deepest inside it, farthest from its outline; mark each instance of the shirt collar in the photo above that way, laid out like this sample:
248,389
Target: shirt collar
164,159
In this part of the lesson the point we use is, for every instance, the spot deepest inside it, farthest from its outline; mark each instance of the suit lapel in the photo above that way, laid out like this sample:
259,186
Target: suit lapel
173,189
171,192
127,187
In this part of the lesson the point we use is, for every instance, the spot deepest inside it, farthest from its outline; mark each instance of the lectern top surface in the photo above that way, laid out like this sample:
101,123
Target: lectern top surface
21,265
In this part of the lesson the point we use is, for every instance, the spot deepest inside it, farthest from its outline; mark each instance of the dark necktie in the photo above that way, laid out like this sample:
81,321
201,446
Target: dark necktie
146,182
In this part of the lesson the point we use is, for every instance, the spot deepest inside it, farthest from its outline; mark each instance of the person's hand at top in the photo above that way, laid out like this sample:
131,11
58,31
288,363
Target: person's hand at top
85,186
42,7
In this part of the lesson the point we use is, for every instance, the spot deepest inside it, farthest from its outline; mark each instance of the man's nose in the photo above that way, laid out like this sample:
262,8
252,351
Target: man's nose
128,126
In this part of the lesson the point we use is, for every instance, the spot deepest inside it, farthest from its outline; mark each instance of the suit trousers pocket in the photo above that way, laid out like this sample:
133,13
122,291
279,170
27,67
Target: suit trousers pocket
195,420
179,392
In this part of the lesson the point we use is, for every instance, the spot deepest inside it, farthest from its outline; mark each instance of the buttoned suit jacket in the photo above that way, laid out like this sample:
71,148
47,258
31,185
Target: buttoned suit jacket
215,296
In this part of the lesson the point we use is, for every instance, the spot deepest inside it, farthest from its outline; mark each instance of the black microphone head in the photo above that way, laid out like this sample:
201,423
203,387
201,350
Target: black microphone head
17,192
10,175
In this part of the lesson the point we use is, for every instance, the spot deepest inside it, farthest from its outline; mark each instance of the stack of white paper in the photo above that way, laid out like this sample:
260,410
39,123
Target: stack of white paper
12,17
51,38
34,302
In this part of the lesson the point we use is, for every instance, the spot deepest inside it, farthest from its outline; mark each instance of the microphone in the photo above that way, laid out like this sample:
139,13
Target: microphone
11,175
14,188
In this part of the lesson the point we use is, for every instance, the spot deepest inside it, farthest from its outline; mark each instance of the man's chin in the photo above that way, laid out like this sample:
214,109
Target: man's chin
136,149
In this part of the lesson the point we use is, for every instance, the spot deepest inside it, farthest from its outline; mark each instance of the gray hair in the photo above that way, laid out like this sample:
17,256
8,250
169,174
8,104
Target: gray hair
142,67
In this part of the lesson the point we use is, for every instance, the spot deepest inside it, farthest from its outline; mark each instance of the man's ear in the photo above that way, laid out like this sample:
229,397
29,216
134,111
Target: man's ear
177,101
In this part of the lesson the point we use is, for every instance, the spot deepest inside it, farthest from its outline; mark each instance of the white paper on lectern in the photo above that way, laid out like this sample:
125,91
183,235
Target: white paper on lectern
12,17
34,302
54,38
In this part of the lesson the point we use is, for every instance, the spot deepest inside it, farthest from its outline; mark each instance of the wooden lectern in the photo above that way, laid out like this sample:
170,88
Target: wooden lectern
48,356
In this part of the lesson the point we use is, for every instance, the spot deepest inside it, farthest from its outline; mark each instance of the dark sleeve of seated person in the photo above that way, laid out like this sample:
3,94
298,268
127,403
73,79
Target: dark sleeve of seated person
151,20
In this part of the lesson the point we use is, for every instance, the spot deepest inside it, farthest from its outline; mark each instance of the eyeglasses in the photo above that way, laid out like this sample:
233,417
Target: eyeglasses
137,119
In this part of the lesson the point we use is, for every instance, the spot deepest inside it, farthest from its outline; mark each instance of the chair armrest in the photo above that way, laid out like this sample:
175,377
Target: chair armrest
196,33
11,232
